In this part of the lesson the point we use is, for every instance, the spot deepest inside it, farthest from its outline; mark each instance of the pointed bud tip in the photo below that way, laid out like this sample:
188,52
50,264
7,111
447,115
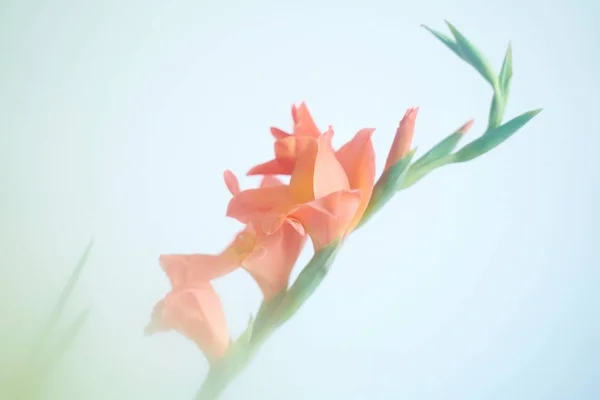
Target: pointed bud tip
465,128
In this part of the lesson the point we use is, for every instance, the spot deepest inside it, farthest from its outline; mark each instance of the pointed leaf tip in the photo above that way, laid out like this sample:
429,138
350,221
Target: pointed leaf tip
473,56
506,73
493,138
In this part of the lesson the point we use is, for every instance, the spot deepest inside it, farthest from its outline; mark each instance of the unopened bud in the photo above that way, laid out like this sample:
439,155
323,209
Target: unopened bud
403,138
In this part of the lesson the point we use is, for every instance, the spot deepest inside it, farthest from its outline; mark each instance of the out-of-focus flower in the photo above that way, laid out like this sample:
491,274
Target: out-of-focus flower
194,310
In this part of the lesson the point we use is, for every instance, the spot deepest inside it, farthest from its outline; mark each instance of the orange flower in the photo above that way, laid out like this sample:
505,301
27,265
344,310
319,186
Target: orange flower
328,191
269,258
403,138
194,310
356,159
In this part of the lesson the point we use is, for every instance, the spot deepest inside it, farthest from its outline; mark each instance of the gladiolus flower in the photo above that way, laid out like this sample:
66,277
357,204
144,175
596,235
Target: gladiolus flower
327,194
269,258
403,138
356,158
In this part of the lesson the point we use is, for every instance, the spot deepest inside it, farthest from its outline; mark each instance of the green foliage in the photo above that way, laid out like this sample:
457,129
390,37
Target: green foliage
30,378
496,132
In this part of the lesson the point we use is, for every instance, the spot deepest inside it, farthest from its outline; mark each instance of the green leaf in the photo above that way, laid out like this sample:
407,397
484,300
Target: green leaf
264,314
66,341
506,73
496,113
387,185
419,173
61,303
449,42
69,337
486,143
307,281
428,162
471,55
68,289
501,94
442,149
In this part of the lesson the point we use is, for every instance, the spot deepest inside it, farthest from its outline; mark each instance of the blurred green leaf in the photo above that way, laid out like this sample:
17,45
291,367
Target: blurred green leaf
67,291
65,342
495,137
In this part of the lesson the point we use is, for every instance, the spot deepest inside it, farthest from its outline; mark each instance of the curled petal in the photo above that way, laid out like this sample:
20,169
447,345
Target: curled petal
317,172
357,157
231,181
304,125
183,269
278,133
273,167
329,217
272,271
197,313
252,203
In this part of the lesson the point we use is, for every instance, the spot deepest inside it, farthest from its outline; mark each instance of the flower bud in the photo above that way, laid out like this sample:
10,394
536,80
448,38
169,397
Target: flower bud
403,138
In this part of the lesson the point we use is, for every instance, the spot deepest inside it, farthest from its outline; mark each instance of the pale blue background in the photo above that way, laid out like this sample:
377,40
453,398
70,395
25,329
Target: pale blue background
117,119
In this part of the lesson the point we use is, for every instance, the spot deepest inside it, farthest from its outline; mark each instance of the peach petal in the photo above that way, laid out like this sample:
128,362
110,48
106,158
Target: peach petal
273,167
357,157
329,175
329,217
185,268
252,202
269,181
231,181
272,271
197,313
317,172
181,268
286,148
304,125
278,133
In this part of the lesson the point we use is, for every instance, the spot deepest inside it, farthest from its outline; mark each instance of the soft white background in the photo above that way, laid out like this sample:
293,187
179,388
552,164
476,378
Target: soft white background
481,282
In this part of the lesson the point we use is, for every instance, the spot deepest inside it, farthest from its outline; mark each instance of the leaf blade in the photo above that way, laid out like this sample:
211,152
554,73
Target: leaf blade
473,56
497,136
